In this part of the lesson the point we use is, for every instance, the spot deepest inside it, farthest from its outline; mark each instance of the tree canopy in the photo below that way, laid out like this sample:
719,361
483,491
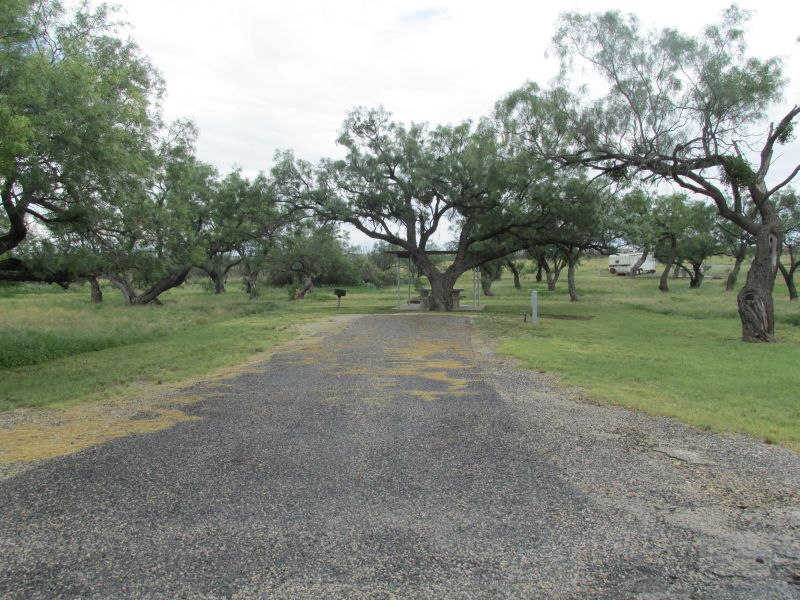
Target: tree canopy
689,110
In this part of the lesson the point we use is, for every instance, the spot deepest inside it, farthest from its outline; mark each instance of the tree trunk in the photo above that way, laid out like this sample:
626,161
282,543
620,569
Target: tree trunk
486,284
730,284
219,283
251,285
216,275
551,280
573,292
442,284
97,293
638,264
673,252
539,273
167,282
739,253
18,230
125,288
515,271
788,277
557,268
129,296
755,298
696,276
308,287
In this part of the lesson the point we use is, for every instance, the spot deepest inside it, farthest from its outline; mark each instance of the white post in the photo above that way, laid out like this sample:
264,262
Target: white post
397,268
534,306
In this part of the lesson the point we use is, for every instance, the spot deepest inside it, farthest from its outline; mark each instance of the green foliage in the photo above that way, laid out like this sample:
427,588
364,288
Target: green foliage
312,253
77,110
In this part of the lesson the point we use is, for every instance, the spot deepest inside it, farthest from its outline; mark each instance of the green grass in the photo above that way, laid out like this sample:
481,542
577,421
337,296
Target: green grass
624,342
676,354
56,348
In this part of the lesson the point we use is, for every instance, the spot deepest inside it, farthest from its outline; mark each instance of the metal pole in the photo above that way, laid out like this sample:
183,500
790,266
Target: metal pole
534,306
409,279
476,287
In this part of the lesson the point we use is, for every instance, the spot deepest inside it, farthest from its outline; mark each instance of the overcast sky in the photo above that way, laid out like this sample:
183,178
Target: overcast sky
261,75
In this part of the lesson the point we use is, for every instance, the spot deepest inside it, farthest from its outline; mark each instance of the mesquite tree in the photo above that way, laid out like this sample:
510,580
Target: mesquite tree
789,213
78,106
403,185
682,109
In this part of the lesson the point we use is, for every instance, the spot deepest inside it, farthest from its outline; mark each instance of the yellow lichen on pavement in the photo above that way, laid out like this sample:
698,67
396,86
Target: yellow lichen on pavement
49,434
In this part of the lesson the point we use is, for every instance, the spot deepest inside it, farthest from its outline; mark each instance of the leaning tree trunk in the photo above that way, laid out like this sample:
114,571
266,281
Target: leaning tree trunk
739,253
730,284
663,284
129,296
756,309
97,293
515,271
486,285
638,264
539,273
573,291
309,286
125,288
788,277
169,281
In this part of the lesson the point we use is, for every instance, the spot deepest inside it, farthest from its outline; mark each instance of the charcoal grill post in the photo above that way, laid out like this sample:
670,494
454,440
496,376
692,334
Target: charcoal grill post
339,293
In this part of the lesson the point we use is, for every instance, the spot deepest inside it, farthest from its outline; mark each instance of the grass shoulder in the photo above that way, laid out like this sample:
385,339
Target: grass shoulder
678,354
57,349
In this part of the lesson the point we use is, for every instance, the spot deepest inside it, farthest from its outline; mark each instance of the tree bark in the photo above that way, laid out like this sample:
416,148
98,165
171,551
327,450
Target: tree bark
307,287
125,288
251,285
219,283
696,276
539,273
515,271
442,285
97,293
730,284
18,230
788,277
756,309
638,264
663,284
573,291
551,281
129,296
486,285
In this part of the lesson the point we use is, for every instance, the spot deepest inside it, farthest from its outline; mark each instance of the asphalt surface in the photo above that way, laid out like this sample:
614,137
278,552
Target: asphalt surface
399,458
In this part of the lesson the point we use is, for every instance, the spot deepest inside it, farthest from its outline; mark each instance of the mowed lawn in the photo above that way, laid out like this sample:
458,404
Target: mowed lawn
677,353
56,348
624,342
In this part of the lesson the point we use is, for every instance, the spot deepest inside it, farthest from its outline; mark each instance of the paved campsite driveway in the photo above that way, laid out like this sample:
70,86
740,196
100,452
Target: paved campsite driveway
394,457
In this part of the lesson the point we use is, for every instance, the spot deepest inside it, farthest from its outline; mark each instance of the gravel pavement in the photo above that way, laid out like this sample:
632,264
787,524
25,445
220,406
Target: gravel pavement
399,458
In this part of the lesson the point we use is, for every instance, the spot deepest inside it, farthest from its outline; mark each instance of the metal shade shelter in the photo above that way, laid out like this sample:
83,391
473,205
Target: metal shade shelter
410,305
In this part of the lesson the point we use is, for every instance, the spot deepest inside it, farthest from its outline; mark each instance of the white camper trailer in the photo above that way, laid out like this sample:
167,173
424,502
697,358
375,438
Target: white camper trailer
620,264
